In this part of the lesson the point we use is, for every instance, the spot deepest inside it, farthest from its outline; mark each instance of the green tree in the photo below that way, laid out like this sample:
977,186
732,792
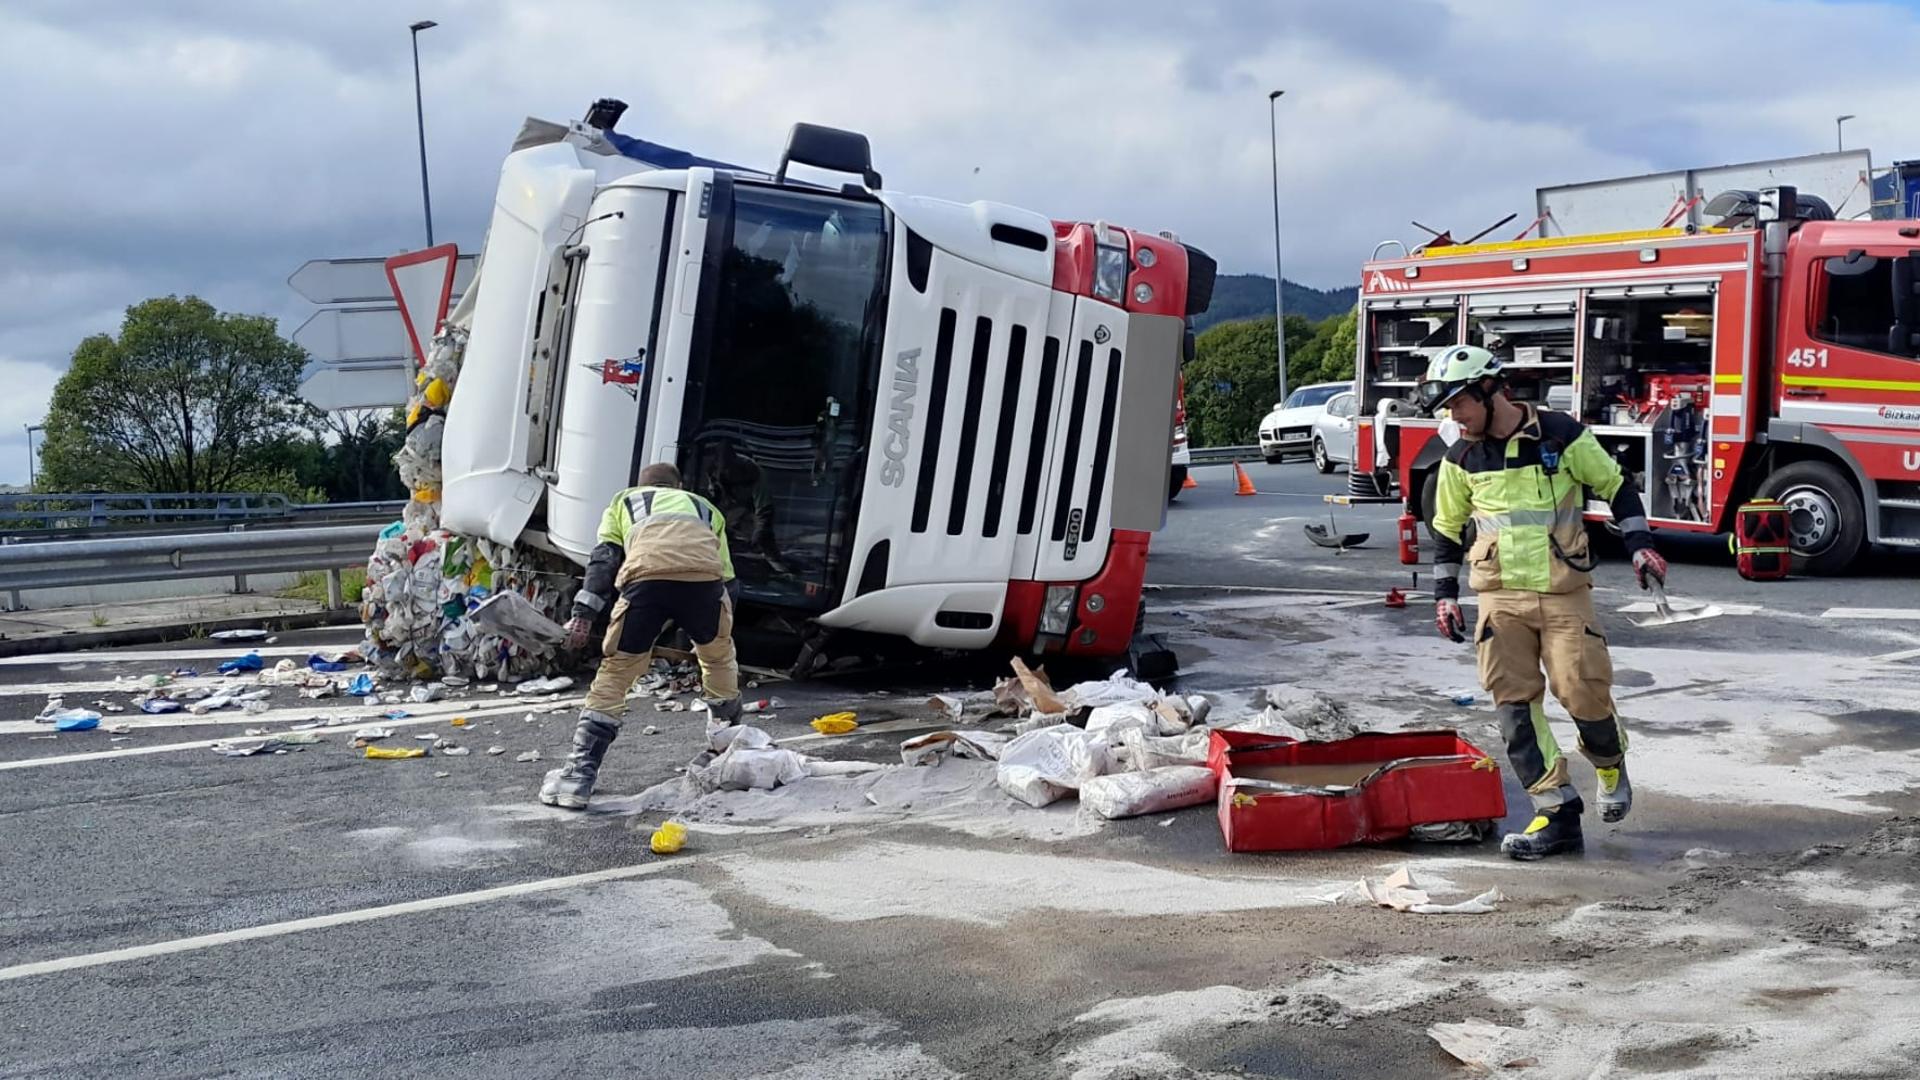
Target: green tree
347,456
1336,363
184,399
1233,379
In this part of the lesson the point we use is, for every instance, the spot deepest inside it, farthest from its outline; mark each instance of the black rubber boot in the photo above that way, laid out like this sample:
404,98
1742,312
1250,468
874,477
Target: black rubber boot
1552,832
570,786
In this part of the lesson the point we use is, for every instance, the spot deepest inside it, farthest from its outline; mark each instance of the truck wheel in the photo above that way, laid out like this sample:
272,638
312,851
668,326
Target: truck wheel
1320,459
1176,479
1826,520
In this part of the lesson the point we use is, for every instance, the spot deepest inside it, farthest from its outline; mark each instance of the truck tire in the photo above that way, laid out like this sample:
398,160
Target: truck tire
1825,517
1176,479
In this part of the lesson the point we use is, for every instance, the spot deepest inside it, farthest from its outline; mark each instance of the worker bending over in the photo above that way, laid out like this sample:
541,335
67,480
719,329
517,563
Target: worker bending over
1518,477
664,552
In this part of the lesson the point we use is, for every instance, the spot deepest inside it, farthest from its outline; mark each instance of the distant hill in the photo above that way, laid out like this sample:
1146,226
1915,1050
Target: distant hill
1249,296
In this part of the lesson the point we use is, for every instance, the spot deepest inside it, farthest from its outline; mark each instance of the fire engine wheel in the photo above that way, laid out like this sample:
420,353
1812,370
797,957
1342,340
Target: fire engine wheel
1826,521
1320,459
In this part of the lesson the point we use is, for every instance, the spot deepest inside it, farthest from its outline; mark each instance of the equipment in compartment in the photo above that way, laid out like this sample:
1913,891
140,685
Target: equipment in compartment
1761,540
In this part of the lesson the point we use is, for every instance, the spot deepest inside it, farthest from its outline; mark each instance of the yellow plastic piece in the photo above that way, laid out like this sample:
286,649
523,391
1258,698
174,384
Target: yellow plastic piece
394,753
1243,800
437,394
458,721
413,417
835,723
668,838
427,495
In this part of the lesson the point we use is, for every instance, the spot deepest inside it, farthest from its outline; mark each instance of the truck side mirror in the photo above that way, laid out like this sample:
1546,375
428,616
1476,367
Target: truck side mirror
831,149
1904,338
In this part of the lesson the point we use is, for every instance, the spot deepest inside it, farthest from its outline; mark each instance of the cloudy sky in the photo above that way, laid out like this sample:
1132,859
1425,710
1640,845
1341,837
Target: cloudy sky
211,146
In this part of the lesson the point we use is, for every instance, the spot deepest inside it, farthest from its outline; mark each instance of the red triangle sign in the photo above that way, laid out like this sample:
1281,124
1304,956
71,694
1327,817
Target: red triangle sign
422,284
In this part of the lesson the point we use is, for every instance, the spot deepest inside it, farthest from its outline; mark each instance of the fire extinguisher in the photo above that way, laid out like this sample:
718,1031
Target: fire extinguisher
1409,540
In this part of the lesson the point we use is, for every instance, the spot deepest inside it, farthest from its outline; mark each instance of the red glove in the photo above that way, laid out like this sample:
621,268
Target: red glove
1449,620
577,630
1647,563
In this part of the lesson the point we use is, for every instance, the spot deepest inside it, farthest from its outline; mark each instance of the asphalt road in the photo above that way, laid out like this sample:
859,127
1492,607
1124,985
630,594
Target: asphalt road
166,911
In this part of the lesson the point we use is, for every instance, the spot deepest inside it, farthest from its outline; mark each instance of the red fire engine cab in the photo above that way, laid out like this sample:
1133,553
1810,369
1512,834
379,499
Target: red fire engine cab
1774,355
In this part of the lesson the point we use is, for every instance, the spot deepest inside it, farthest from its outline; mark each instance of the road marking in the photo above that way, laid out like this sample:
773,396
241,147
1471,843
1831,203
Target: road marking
345,729
1282,589
359,710
1895,657
343,918
227,652
1889,614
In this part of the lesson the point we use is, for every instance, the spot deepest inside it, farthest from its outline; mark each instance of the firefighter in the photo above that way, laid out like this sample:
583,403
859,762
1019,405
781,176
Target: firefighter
1511,498
663,550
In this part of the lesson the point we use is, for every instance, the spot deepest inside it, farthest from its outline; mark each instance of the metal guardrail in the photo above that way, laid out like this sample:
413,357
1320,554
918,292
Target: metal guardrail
60,564
1223,455
31,513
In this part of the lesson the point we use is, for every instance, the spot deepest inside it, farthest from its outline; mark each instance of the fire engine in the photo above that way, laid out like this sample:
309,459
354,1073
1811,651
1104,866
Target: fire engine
945,422
1775,354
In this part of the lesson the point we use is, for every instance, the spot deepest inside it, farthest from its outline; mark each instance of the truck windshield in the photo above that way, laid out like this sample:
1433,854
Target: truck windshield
773,433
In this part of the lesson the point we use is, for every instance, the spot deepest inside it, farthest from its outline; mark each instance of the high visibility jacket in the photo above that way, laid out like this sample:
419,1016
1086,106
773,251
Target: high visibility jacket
1525,497
654,534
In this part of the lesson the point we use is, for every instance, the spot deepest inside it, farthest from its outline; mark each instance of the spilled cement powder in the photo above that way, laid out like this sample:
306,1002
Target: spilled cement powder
883,880
647,930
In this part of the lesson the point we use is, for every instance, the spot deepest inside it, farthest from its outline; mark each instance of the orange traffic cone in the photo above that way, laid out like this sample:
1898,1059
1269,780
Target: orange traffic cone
1189,482
1243,484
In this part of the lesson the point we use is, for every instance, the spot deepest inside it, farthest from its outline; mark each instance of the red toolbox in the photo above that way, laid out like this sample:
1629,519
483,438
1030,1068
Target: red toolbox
1279,794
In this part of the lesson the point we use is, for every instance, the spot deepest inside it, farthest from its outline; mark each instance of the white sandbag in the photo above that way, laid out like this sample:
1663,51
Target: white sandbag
1107,718
1139,751
1042,766
1151,792
1116,689
743,767
927,749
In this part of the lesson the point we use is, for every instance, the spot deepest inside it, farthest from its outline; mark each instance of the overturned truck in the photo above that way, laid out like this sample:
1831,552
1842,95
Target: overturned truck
940,422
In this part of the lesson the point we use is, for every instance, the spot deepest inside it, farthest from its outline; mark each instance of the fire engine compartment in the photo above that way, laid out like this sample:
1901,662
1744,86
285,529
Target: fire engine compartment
1634,361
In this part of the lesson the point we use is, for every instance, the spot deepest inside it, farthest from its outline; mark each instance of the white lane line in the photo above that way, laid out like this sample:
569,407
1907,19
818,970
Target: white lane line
97,687
343,918
1895,657
1279,589
1886,613
150,656
345,730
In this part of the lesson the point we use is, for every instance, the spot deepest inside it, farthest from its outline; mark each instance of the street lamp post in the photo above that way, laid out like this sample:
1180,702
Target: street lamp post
420,117
32,472
1279,309
1839,143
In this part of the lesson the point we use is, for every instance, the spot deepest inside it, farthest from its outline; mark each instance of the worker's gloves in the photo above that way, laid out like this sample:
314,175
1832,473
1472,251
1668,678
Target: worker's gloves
1449,620
578,628
1647,563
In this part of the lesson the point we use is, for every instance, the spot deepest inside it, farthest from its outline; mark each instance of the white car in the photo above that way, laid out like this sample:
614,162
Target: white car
1288,429
1333,433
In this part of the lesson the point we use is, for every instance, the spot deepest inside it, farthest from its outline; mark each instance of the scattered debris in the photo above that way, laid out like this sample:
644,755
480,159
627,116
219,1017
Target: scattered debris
1039,692
1396,598
670,837
256,731
458,721
1043,766
427,736
427,692
320,663
237,635
255,708
361,686
159,705
551,685
1482,1045
670,706
442,746
245,747
249,662
1464,699
649,730
927,749
496,751
394,753
395,714
950,707
839,723
530,755
371,734
76,720
763,705
441,775
120,729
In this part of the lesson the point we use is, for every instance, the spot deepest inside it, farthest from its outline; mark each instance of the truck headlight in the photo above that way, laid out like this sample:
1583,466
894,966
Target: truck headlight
1110,273
1058,610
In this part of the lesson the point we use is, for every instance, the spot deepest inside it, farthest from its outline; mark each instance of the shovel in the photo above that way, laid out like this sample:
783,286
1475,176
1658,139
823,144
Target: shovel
1663,613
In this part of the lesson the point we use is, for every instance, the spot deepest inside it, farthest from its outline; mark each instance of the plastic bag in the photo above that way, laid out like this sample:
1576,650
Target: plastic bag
249,662
509,615
840,723
1151,792
1042,766
76,720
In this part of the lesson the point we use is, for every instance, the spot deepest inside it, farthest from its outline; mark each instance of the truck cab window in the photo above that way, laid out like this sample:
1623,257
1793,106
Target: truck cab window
1855,304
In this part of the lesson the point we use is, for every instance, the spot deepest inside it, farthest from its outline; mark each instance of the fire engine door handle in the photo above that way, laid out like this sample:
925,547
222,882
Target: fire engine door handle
1805,392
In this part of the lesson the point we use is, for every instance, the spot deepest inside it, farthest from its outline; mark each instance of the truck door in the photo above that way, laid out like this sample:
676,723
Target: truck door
779,375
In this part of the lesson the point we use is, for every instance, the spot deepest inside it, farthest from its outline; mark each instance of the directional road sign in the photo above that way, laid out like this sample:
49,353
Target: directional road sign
362,281
358,385
338,335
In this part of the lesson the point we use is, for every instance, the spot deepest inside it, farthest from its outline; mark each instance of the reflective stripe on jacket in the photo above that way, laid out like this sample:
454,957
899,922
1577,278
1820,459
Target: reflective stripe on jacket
668,535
